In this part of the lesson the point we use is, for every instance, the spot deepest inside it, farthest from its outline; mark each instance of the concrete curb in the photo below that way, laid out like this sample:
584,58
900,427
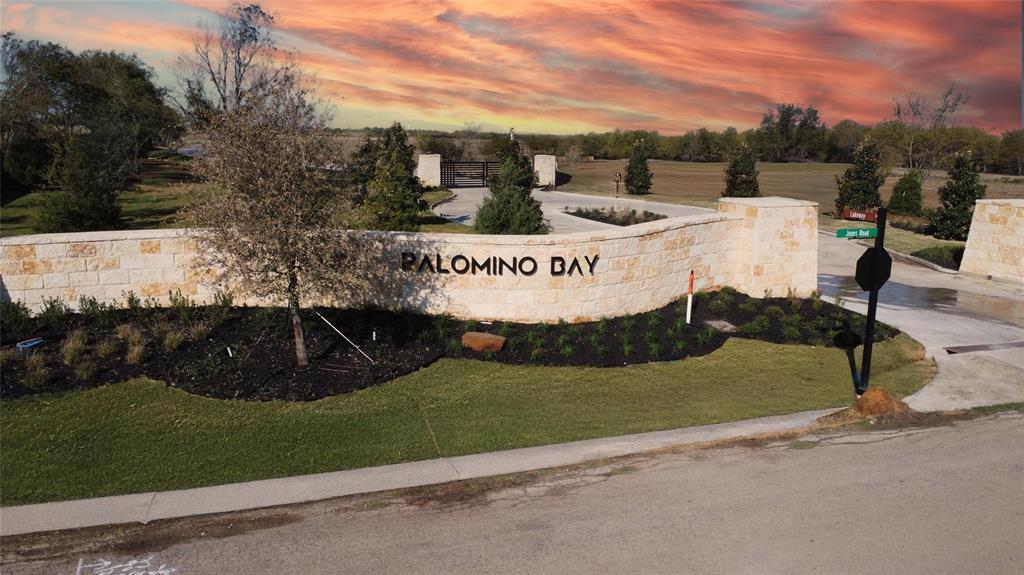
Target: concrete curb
151,506
439,202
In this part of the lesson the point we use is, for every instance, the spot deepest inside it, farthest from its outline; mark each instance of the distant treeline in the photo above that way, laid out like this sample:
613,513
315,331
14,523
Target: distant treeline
788,133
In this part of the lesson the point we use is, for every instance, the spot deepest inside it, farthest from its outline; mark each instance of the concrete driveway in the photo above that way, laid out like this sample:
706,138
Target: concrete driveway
462,209
942,311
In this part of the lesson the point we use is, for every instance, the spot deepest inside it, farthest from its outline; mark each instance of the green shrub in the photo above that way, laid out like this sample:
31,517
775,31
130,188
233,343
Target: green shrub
600,350
440,325
679,345
470,325
566,351
454,346
537,354
100,315
946,256
775,312
718,307
55,314
654,348
791,333
680,325
749,306
505,330
220,309
706,335
594,339
906,195
184,307
15,318
650,337
858,187
602,326
654,320
755,327
573,331
627,348
741,175
952,220
638,173
628,323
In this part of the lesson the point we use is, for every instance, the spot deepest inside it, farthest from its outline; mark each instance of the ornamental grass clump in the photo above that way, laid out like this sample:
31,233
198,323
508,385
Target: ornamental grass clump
107,348
173,340
73,347
36,371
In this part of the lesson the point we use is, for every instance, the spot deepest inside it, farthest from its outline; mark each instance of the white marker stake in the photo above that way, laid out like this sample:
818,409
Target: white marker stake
689,299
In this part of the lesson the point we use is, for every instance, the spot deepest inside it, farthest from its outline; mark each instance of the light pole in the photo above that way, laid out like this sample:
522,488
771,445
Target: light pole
615,204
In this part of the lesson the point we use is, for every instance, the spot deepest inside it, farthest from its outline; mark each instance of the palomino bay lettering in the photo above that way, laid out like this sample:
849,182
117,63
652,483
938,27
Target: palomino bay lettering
496,265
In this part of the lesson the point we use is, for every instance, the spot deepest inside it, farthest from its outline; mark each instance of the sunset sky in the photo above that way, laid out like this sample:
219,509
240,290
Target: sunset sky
565,66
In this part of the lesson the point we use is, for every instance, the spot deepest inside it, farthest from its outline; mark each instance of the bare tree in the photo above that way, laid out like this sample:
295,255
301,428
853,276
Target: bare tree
922,127
230,61
274,218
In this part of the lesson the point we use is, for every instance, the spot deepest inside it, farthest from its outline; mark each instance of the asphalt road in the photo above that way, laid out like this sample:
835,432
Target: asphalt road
463,208
940,499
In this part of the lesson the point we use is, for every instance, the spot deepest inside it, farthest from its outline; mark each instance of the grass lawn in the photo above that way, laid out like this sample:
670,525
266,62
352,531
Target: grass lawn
701,184
141,435
161,190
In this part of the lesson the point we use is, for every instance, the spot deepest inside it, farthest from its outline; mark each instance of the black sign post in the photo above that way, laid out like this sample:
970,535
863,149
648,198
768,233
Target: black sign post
873,269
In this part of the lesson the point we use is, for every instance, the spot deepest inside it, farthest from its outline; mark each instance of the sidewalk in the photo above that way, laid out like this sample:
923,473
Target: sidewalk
145,507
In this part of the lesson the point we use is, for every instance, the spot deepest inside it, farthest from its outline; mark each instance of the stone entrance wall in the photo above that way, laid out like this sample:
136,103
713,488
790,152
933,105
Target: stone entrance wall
755,245
995,244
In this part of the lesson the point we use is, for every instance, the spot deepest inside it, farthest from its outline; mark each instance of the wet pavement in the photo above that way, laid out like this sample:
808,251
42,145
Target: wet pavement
942,311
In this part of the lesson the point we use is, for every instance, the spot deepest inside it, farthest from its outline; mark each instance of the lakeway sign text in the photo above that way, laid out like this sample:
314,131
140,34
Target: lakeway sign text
495,265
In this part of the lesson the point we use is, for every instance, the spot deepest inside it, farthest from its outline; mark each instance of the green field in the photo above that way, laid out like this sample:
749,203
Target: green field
142,435
701,184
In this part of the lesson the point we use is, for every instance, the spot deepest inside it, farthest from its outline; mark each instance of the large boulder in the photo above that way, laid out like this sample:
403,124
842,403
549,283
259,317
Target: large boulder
877,401
478,341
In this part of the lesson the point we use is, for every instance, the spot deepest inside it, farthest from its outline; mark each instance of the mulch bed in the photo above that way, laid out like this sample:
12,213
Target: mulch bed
249,353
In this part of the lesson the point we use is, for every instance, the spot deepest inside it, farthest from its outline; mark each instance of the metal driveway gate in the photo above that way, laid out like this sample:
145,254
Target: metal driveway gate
467,174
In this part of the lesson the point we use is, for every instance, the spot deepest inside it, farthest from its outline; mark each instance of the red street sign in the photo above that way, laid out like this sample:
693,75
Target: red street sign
849,214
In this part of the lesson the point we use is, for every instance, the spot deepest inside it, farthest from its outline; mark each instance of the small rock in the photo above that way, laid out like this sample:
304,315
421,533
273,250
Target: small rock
479,341
878,401
721,325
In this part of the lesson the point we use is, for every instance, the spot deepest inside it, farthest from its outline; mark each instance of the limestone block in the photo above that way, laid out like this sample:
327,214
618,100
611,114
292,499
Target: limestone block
546,167
55,280
428,169
76,279
19,252
81,250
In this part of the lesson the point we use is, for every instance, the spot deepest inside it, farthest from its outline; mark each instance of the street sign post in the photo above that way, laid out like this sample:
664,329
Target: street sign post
856,233
873,270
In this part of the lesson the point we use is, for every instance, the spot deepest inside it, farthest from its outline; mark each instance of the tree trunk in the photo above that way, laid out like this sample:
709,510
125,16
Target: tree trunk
293,312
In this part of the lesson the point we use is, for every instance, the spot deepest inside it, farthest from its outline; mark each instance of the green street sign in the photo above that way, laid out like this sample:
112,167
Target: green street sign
856,233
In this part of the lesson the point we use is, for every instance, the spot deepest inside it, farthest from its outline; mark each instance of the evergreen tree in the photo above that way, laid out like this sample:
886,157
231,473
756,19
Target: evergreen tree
906,195
391,198
741,175
509,208
952,220
392,201
859,184
87,176
638,173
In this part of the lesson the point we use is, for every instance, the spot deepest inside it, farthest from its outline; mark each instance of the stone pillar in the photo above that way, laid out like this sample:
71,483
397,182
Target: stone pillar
995,244
776,245
428,169
546,168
